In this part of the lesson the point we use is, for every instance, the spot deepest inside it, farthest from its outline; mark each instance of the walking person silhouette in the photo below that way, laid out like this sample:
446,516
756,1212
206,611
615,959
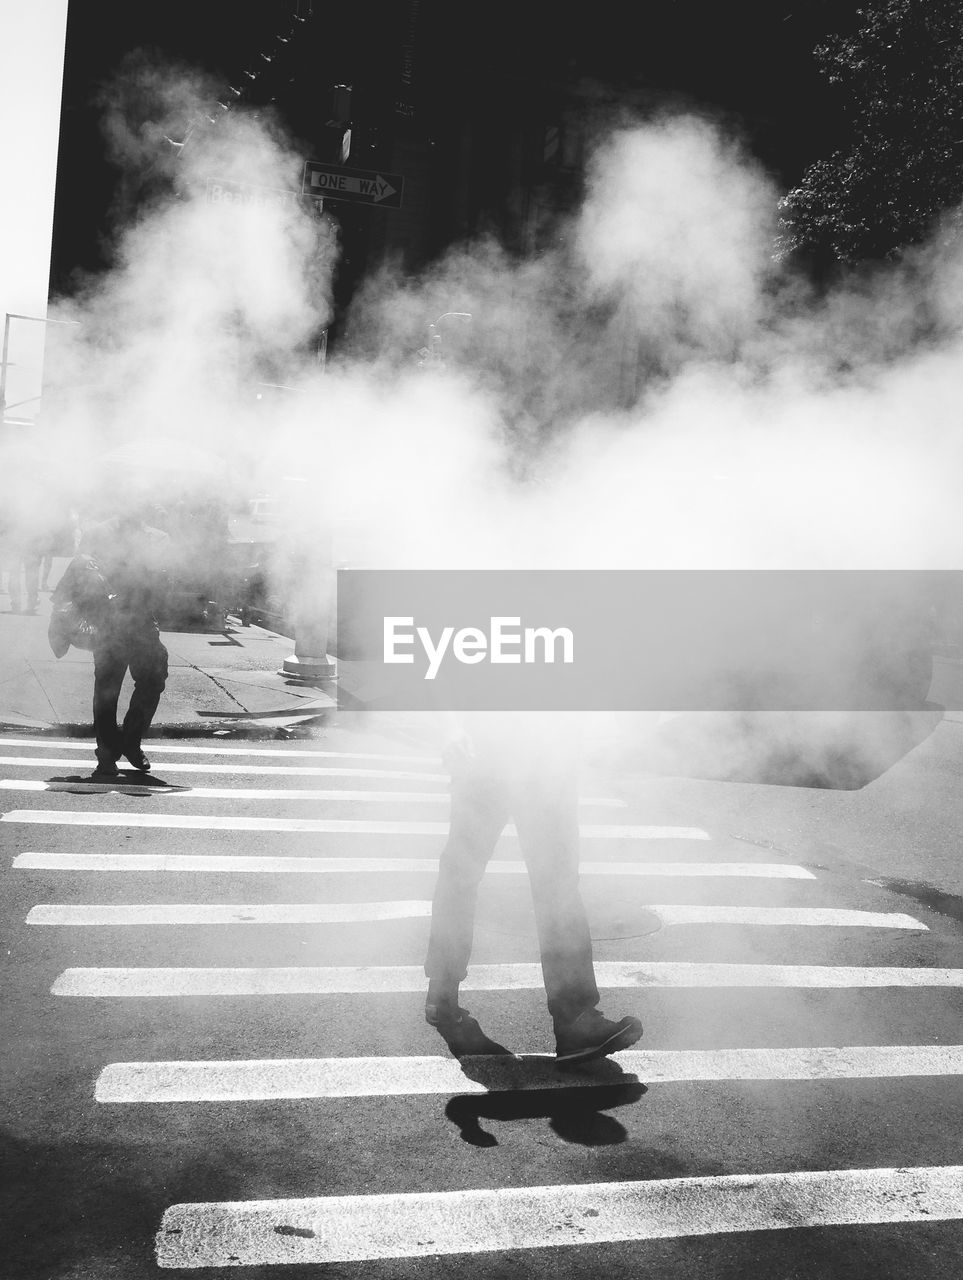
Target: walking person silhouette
131,555
522,768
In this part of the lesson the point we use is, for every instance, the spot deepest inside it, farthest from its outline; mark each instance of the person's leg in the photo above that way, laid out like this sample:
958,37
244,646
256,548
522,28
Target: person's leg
14,570
31,574
110,667
478,815
545,809
148,669
546,813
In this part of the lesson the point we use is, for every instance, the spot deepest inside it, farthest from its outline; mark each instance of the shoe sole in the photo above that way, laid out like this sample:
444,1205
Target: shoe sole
620,1040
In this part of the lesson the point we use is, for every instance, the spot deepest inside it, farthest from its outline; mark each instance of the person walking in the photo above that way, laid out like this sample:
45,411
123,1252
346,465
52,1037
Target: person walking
131,556
522,768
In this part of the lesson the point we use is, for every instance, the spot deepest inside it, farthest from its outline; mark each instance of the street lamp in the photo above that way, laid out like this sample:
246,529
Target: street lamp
434,334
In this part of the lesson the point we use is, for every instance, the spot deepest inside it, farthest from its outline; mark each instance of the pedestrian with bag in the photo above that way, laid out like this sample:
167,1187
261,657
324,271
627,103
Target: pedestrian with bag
131,555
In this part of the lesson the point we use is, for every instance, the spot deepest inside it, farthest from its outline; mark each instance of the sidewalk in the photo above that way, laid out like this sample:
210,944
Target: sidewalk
217,680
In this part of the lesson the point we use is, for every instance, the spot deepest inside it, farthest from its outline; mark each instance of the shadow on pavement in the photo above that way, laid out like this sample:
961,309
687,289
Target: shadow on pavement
128,783
73,1203
574,1110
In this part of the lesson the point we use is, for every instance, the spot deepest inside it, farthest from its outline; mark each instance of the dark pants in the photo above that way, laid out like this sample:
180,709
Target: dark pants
544,809
138,648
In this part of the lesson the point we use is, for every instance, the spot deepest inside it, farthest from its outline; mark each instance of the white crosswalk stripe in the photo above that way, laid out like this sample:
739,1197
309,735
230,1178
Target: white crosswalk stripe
796,917
204,913
332,826
328,1229
288,771
255,793
355,980
325,912
158,748
271,1078
308,865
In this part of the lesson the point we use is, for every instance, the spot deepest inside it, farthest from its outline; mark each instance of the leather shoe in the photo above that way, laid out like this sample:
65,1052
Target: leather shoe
106,763
591,1035
137,759
461,1032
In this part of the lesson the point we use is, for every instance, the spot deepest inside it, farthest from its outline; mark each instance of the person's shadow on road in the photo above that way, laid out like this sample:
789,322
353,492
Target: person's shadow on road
127,783
532,1088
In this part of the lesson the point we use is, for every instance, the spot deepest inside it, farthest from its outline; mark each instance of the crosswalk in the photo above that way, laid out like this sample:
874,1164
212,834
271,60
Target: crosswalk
138,870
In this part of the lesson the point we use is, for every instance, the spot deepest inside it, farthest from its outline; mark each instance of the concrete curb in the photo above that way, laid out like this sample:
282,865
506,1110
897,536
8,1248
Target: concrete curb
258,727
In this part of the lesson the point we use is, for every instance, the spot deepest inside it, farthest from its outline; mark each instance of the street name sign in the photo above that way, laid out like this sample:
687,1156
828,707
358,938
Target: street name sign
363,186
249,193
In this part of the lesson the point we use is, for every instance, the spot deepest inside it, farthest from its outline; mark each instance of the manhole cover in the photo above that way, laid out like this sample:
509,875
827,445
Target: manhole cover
607,922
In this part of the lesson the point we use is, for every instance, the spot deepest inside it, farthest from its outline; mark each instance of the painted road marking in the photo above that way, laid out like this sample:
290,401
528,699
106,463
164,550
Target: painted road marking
263,1079
332,826
381,979
155,747
289,771
223,913
785,916
327,1229
252,793
323,913
178,862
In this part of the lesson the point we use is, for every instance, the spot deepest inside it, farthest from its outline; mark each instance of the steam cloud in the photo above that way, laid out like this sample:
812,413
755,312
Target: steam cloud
755,425
653,389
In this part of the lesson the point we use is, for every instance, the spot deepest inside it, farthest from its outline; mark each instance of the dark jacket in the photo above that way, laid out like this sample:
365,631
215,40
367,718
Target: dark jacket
132,557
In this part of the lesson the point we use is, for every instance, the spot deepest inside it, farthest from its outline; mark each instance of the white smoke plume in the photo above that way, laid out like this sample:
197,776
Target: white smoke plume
654,367
202,297
650,389
676,227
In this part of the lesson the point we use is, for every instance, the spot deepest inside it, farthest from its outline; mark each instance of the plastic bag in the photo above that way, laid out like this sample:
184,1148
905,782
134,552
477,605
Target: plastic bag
67,627
80,601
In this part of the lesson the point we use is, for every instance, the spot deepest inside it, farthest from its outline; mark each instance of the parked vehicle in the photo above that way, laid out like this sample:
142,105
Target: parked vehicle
197,593
253,592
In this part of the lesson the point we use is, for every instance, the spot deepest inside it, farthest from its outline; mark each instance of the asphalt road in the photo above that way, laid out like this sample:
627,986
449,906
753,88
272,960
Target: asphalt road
227,1076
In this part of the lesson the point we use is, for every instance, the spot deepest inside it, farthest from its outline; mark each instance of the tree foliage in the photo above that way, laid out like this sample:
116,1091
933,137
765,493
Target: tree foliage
900,78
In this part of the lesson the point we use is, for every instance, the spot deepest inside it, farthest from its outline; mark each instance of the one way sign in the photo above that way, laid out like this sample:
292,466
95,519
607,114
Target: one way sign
364,186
